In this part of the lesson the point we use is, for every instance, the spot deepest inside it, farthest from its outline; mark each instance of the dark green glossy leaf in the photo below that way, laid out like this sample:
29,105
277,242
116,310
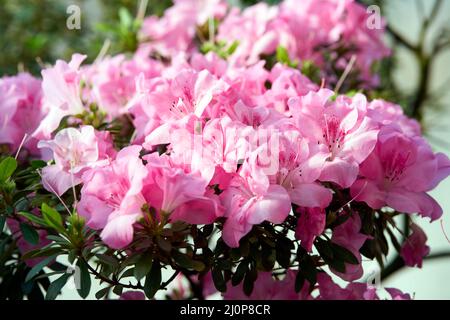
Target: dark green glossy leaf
343,254
143,266
239,274
55,287
153,280
101,293
2,223
218,279
29,233
249,281
84,278
38,267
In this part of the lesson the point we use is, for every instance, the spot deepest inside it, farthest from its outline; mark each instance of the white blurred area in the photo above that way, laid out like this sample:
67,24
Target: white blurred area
433,280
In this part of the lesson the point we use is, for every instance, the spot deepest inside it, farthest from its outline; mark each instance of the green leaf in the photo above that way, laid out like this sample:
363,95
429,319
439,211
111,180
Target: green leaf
7,168
52,218
283,251
2,223
118,290
29,233
268,256
37,164
153,280
239,274
198,265
32,217
164,244
143,266
55,287
218,279
187,262
337,265
41,252
125,17
282,55
308,269
344,254
102,292
84,286
38,267
108,260
232,47
325,249
249,281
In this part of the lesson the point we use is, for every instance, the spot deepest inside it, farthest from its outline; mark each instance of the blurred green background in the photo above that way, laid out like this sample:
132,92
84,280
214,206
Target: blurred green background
34,31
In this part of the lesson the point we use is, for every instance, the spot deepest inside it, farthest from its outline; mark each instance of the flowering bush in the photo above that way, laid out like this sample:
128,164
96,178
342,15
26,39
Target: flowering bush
218,153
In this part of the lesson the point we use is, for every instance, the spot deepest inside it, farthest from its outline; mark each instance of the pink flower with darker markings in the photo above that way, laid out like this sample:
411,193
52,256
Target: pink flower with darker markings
300,166
341,129
251,199
171,101
399,173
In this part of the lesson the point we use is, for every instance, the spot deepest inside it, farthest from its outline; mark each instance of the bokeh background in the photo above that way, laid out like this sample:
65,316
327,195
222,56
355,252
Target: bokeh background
33,33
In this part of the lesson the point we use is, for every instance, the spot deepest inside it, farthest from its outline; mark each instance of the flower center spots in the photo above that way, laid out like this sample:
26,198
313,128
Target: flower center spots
395,166
290,170
184,105
332,134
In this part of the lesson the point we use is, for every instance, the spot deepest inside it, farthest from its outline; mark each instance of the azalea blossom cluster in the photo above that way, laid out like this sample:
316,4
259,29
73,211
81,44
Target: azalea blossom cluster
231,140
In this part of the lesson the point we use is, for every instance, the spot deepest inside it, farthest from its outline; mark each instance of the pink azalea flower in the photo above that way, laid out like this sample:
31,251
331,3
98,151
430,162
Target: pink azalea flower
399,173
190,93
61,94
396,294
415,249
286,83
348,235
353,291
20,111
340,129
251,199
132,295
310,224
112,80
300,166
74,151
249,29
386,113
176,29
111,197
179,191
266,287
